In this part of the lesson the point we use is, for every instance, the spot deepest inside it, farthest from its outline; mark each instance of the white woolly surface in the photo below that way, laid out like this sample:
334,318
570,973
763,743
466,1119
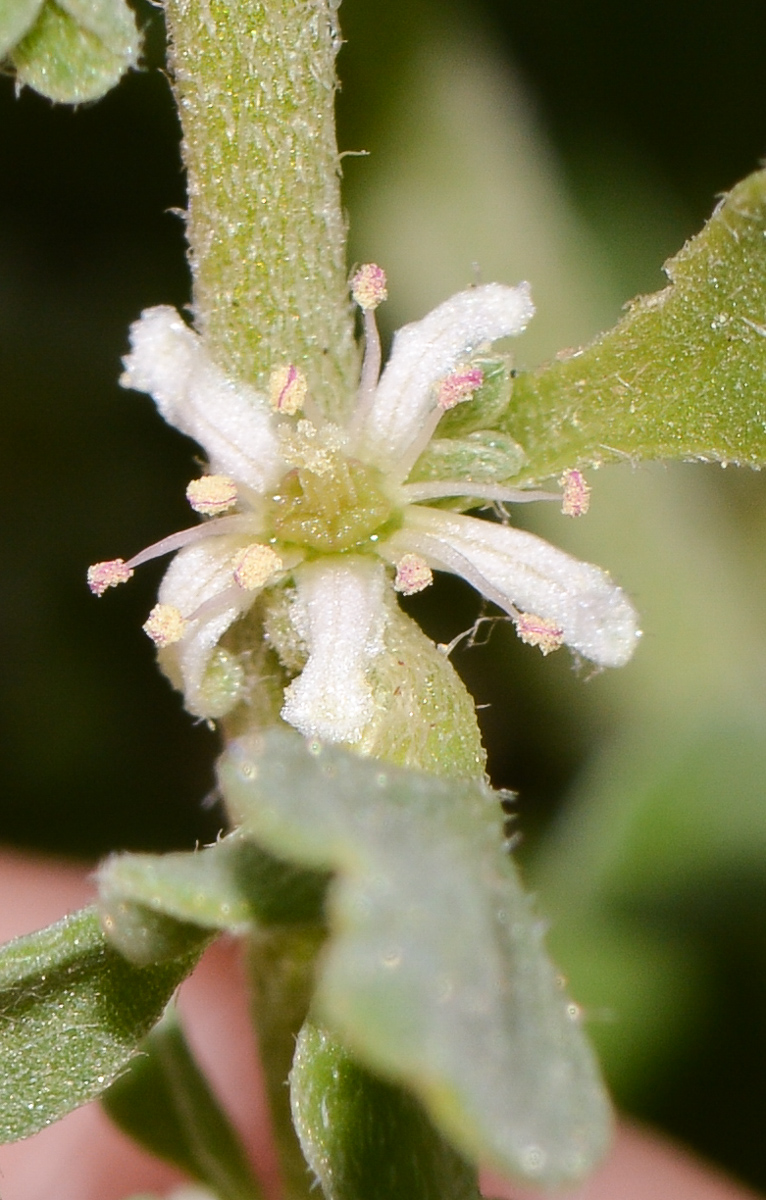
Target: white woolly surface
231,421
425,351
518,570
339,612
197,574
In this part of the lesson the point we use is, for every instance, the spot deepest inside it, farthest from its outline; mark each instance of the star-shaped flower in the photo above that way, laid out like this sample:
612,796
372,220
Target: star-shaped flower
330,517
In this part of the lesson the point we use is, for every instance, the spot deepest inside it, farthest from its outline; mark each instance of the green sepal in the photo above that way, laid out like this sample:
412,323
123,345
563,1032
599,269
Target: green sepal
365,1139
680,376
435,973
164,1102
73,1015
77,49
153,905
16,19
424,715
486,456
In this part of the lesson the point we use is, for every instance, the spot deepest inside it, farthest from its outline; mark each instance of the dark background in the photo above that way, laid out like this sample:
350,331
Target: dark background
665,100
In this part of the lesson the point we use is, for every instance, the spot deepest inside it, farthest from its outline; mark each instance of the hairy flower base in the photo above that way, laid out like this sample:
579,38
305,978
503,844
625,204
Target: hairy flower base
323,510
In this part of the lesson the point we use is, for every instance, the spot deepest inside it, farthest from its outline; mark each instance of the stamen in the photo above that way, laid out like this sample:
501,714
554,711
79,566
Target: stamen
414,493
212,494
287,389
239,523
453,389
104,575
539,631
165,625
368,286
576,499
214,606
413,574
458,387
255,566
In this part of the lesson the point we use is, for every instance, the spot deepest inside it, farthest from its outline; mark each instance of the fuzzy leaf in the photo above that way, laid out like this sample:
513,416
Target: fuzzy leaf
435,974
16,19
164,1103
155,905
680,376
365,1138
73,1013
77,49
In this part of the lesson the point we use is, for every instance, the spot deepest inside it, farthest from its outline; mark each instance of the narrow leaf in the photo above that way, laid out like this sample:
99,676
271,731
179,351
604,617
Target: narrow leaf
73,1013
366,1139
680,376
435,974
165,1103
155,905
77,51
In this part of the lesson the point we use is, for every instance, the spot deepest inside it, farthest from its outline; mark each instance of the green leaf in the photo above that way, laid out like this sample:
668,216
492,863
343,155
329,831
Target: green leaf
680,376
78,49
16,18
73,1013
435,974
164,1103
154,906
365,1139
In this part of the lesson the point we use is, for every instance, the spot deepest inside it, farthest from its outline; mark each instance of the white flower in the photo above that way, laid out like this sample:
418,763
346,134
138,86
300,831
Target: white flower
324,512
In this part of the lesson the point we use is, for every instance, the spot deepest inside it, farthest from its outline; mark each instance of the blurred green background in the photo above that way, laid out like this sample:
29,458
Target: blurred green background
572,142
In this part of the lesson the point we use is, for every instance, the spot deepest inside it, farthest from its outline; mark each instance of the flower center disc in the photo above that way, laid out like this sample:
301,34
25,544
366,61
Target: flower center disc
337,510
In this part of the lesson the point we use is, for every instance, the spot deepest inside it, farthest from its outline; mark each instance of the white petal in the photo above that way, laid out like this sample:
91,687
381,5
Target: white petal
231,421
425,351
197,575
519,571
340,613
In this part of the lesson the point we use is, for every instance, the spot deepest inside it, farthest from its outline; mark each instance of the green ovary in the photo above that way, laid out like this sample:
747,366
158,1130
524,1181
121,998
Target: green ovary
338,510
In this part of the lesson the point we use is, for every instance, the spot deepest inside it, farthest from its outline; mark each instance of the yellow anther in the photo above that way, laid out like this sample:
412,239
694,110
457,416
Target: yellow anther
413,574
255,566
368,286
287,389
212,494
165,625
575,501
538,631
104,575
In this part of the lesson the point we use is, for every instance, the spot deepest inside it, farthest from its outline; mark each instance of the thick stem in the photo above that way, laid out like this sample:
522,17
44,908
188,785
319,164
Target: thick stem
255,84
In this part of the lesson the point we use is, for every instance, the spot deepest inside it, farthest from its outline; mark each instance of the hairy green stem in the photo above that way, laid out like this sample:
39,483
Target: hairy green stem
255,84
281,970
